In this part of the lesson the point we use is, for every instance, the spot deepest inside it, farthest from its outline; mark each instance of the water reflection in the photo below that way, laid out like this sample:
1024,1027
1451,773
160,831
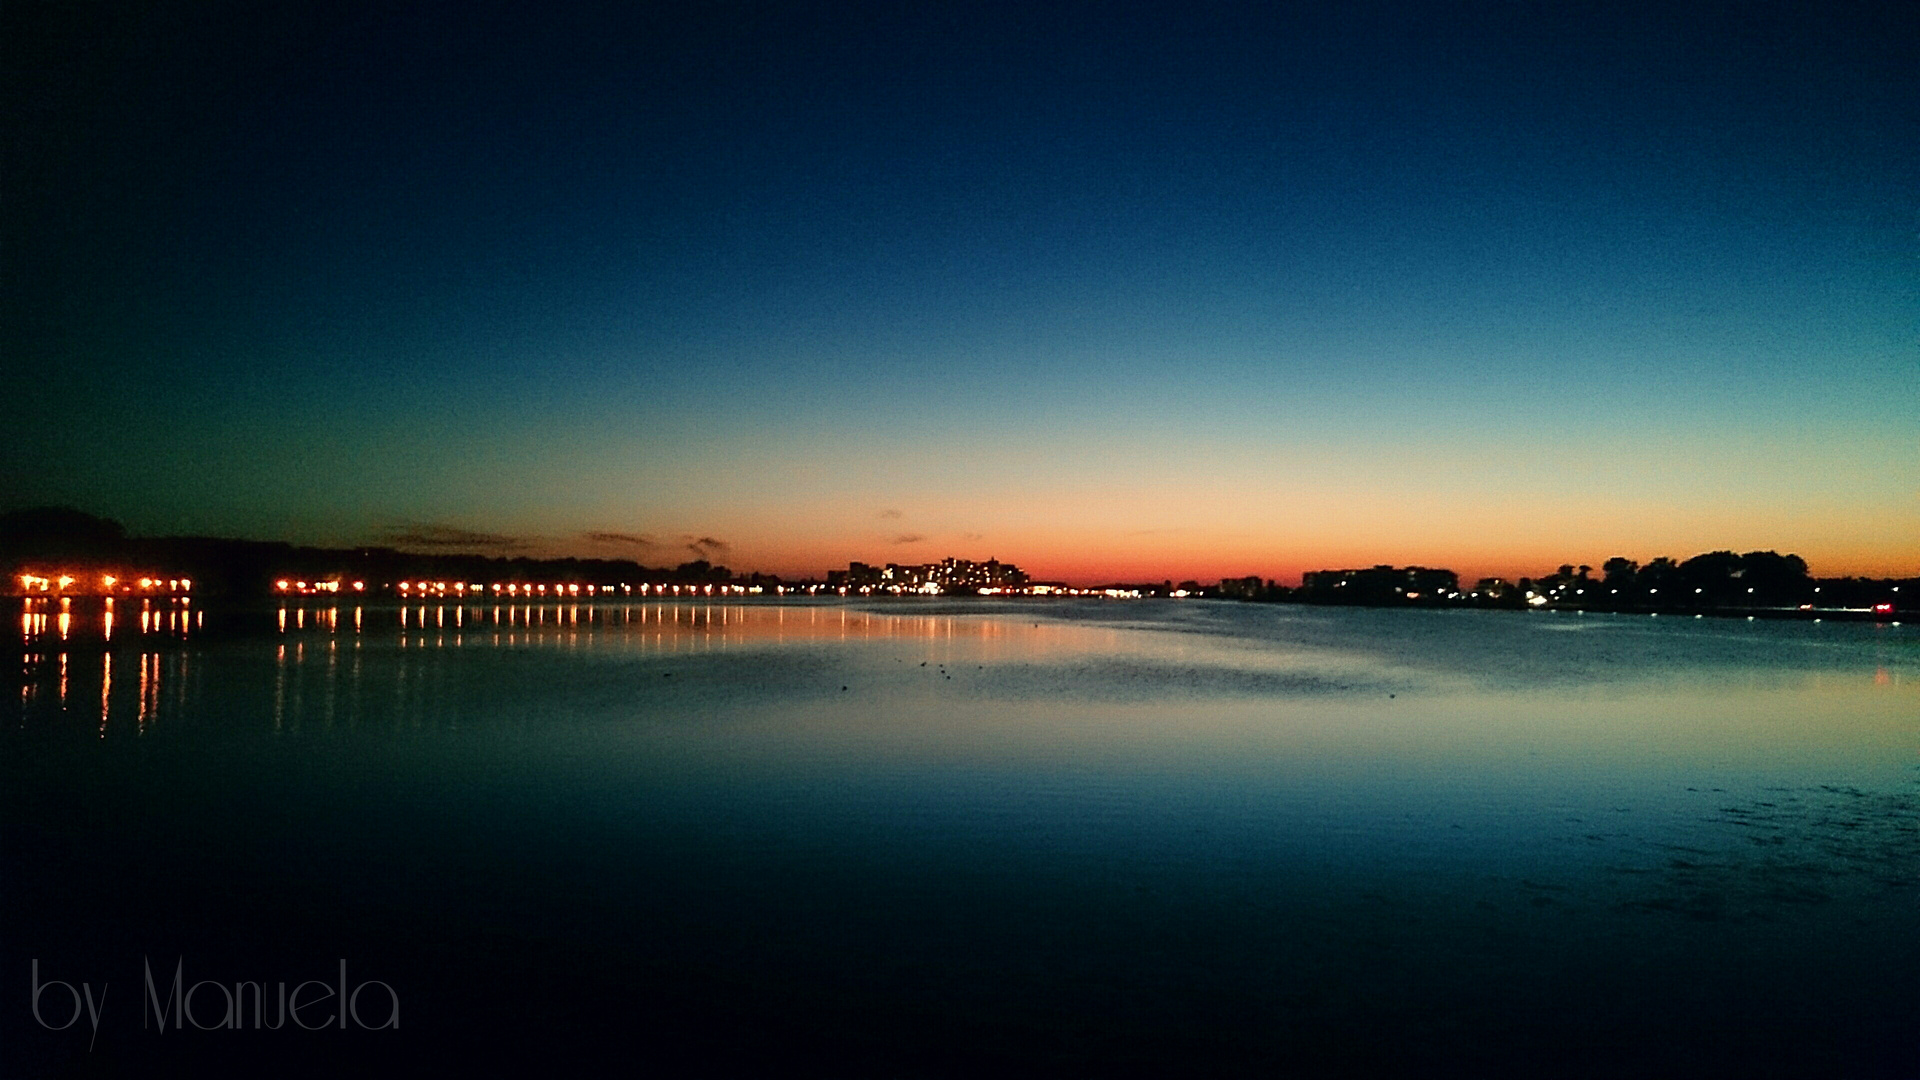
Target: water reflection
319,664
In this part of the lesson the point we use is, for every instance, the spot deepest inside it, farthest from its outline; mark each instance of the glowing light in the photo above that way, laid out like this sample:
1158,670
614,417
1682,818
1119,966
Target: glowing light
108,581
282,585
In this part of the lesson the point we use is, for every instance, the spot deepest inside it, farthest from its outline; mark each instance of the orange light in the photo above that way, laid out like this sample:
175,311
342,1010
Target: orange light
281,585
359,586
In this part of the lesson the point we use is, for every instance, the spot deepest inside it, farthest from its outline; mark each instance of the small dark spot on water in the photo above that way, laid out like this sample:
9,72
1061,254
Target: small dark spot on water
843,688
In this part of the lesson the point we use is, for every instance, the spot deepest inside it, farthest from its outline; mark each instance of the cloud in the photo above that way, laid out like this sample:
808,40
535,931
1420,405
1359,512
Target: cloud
891,513
451,538
702,547
908,538
631,539
973,536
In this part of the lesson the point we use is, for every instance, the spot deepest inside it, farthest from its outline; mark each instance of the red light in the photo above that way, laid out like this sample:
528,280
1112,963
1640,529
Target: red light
1883,609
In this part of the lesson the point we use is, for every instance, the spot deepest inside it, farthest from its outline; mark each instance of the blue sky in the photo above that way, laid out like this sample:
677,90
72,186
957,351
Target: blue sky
1103,290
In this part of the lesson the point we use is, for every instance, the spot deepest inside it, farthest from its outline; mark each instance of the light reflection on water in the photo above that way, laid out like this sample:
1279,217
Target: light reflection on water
1185,670
1471,810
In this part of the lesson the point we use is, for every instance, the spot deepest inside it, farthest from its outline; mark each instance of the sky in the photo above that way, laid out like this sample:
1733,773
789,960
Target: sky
1114,292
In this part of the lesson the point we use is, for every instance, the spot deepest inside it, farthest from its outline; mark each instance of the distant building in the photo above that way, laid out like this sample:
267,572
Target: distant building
1243,588
1379,585
947,576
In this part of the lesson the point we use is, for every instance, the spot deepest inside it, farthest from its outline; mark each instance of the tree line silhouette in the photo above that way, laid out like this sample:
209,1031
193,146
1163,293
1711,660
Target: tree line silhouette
63,539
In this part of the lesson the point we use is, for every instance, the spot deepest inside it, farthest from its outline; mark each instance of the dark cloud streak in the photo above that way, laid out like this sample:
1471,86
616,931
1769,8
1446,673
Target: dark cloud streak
452,538
641,540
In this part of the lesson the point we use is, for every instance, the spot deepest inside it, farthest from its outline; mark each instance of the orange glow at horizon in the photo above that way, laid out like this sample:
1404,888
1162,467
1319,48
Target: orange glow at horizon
1153,537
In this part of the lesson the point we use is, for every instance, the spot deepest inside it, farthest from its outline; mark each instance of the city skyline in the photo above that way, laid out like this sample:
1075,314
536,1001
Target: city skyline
1121,294
40,545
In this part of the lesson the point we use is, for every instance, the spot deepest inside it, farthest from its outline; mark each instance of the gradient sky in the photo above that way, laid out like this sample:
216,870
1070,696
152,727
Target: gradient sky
1109,291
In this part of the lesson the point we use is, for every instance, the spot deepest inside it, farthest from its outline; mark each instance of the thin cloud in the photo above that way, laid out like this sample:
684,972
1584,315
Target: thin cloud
891,513
630,539
973,536
908,538
707,547
452,538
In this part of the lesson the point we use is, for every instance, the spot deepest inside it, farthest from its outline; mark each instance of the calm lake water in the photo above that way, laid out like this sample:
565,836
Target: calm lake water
925,838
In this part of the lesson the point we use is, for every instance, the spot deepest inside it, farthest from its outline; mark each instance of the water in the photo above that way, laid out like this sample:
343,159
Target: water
923,838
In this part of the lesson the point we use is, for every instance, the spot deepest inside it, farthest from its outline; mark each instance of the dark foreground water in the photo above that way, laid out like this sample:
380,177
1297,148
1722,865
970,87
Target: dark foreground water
963,839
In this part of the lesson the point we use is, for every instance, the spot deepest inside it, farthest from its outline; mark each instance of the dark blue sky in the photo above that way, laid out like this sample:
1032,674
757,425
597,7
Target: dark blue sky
1128,289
